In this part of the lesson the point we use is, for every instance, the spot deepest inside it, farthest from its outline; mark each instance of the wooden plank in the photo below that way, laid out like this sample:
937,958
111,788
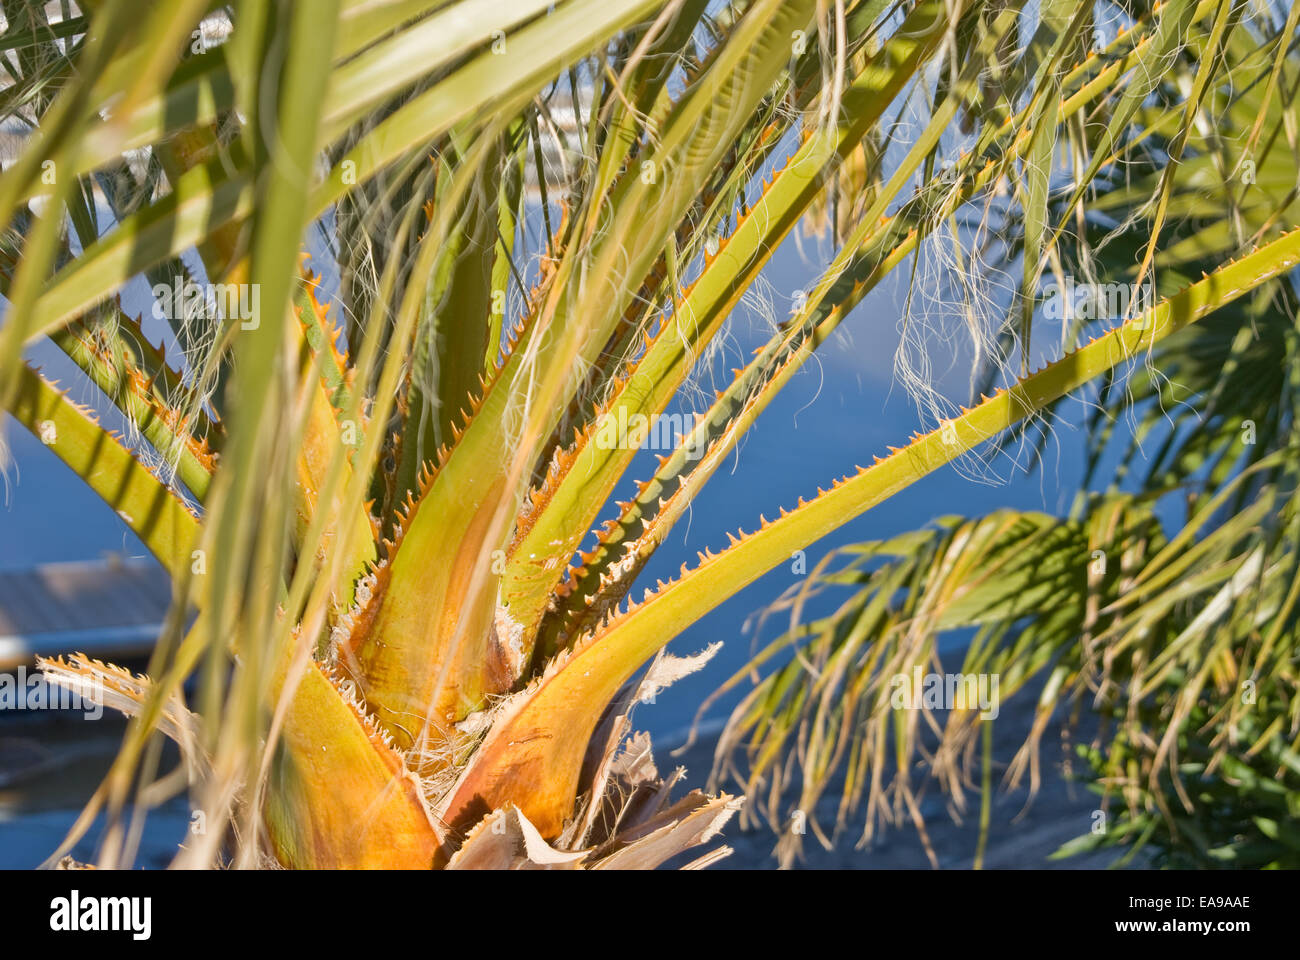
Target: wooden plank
99,607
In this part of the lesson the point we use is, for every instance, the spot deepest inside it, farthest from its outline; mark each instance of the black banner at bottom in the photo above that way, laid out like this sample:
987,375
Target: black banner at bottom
304,910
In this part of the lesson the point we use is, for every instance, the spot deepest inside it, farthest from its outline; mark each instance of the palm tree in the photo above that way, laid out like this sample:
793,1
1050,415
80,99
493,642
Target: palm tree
1164,603
378,484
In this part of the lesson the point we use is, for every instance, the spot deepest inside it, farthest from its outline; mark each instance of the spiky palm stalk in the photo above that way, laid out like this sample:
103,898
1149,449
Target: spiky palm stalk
398,659
1165,603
